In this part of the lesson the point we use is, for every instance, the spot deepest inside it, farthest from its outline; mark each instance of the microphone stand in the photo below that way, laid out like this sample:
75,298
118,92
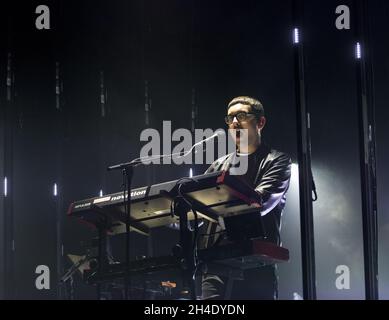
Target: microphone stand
127,169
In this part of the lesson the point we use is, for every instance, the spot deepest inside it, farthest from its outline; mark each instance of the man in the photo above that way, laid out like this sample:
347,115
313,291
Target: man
269,173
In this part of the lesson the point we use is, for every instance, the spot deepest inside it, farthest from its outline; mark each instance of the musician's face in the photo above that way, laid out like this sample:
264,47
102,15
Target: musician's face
251,123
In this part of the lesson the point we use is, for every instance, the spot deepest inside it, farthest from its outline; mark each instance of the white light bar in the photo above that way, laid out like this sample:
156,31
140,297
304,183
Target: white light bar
101,193
5,187
55,190
296,36
358,51
190,173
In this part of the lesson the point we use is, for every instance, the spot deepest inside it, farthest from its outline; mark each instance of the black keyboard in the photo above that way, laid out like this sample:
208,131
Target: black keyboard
243,255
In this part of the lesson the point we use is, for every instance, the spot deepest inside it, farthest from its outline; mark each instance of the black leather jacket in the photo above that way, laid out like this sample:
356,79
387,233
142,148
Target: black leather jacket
271,181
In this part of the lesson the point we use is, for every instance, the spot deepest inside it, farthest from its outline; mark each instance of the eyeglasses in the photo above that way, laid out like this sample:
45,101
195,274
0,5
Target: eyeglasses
240,116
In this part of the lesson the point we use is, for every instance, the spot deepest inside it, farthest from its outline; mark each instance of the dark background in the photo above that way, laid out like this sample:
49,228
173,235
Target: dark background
219,49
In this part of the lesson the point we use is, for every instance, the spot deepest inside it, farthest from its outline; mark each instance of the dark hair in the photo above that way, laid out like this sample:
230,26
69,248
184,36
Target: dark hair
256,105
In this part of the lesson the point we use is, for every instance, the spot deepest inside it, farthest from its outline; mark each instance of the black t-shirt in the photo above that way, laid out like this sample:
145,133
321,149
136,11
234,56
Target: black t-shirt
250,175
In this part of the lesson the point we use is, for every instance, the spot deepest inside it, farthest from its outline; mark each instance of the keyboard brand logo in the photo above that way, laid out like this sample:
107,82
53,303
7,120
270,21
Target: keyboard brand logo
82,205
116,198
138,193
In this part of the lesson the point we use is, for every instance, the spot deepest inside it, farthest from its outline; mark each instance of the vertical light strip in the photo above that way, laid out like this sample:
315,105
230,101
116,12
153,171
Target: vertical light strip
101,193
5,186
55,190
194,113
296,36
102,94
190,173
358,51
57,87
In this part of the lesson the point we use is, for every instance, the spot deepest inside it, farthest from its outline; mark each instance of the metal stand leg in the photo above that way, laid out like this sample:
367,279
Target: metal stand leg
102,256
186,244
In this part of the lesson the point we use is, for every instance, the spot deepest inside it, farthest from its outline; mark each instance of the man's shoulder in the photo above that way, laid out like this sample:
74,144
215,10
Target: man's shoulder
279,155
276,156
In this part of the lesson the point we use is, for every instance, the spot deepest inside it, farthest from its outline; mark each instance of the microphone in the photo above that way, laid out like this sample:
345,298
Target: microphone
141,160
219,134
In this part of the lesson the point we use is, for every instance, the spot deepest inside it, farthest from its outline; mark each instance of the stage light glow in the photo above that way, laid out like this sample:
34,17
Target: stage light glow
297,296
190,173
101,193
295,171
55,190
